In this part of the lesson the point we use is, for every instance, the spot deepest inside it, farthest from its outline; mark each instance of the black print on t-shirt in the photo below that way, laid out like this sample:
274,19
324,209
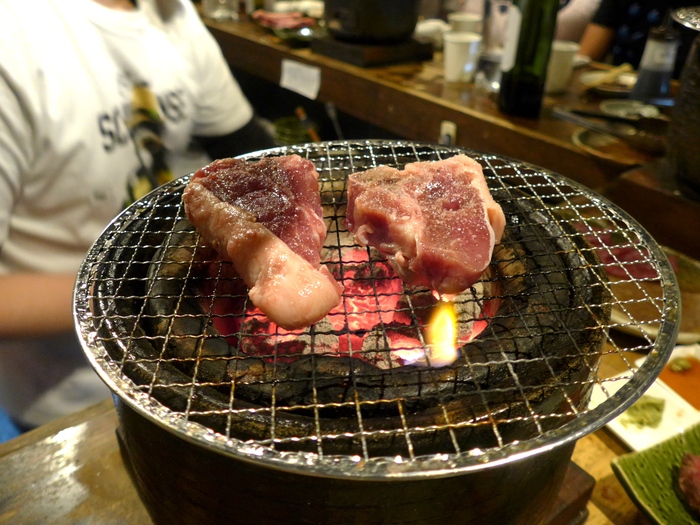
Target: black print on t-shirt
172,105
113,127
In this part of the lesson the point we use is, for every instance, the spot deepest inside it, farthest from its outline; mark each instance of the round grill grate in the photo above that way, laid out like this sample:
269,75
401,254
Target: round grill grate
169,330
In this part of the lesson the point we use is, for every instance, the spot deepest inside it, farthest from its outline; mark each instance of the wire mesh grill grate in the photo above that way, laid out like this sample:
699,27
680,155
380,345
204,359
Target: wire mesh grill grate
170,329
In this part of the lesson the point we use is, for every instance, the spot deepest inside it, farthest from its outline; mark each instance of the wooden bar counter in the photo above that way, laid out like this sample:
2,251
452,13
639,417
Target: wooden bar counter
411,100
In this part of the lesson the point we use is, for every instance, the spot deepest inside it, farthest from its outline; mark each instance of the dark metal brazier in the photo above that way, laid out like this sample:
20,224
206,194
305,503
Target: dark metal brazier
182,483
371,21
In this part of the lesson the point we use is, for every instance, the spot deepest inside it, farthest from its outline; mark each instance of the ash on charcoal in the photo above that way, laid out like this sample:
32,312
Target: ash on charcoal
260,337
387,347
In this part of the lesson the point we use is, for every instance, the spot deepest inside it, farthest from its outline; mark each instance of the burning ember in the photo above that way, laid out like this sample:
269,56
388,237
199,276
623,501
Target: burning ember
378,320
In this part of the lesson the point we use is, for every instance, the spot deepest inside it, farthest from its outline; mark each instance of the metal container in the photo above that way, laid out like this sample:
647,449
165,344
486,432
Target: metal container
224,419
371,21
184,483
684,129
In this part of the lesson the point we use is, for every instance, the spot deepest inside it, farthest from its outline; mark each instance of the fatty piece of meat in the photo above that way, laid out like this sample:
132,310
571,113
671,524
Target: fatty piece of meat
281,193
689,480
246,211
436,222
274,20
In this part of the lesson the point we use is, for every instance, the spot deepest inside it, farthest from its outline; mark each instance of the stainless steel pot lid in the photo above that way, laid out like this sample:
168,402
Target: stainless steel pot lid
688,17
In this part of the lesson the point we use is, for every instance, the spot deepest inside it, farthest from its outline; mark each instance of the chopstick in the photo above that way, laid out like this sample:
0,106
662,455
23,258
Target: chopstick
609,76
306,122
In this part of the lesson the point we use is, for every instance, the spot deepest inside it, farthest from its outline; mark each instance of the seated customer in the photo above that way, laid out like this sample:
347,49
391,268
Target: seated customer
572,19
96,99
619,29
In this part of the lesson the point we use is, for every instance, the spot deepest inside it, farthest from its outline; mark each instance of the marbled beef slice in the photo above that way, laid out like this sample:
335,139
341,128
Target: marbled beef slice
266,218
436,222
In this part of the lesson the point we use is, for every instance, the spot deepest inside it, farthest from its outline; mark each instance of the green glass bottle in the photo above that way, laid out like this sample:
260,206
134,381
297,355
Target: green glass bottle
528,42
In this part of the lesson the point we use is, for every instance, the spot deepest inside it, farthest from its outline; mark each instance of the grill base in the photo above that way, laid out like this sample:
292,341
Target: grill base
202,486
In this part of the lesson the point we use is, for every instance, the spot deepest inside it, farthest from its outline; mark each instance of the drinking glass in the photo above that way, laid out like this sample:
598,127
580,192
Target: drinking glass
461,54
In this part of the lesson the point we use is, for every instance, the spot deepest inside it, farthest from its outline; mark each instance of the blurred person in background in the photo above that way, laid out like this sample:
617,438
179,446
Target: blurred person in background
619,30
97,97
572,19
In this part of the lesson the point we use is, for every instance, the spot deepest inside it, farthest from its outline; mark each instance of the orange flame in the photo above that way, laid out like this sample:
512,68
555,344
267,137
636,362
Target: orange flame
442,334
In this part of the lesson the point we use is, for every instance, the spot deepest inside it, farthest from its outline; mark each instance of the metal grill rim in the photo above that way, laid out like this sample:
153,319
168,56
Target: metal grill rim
561,199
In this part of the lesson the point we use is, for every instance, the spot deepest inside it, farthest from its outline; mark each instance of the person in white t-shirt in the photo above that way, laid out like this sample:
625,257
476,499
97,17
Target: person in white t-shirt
97,97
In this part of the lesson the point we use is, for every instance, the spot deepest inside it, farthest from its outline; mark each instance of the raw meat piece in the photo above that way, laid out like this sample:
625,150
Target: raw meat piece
689,480
291,20
624,262
436,222
281,193
267,219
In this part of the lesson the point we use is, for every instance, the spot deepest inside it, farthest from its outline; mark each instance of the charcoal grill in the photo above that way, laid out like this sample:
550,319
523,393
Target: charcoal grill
343,422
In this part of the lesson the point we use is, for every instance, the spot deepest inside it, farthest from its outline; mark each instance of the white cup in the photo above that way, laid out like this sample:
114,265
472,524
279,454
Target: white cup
561,65
461,22
461,53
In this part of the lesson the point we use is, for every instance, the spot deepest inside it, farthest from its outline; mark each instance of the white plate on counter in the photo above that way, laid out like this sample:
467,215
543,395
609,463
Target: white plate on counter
678,414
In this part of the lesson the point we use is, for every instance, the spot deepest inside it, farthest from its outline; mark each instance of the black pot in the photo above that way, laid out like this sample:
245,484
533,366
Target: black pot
184,483
372,21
